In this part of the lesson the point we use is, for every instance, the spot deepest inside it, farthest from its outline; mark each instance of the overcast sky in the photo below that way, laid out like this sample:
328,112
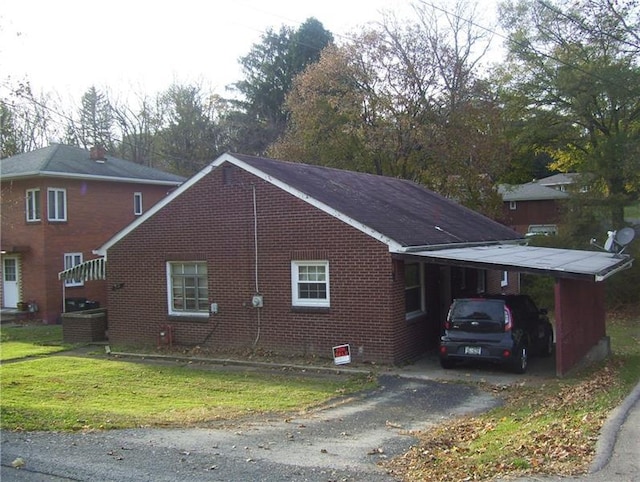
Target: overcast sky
66,46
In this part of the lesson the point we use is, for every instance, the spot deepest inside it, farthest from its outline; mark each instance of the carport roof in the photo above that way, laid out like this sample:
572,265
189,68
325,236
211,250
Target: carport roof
559,263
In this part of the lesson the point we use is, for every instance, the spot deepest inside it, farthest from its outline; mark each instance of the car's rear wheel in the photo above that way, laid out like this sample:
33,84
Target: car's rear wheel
446,363
520,360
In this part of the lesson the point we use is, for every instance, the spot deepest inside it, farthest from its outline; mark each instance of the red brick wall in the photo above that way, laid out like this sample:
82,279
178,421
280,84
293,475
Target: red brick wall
580,320
214,222
95,211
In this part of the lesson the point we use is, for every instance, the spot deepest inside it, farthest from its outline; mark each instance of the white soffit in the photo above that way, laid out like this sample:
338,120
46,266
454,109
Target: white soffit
559,263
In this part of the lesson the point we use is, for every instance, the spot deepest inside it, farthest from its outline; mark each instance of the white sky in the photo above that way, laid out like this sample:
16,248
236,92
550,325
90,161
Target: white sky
135,46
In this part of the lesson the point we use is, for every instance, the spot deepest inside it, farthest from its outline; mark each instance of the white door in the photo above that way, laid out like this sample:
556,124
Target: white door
10,277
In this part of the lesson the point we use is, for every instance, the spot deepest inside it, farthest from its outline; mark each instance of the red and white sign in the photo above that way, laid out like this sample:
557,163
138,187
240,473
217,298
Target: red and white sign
341,354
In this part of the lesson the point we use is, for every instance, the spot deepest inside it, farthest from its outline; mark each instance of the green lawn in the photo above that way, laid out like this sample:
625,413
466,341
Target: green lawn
91,392
30,340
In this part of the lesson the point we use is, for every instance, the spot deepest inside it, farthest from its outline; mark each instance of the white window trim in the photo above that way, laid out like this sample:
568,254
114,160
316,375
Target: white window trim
513,205
504,281
137,203
72,257
31,197
316,302
56,206
423,300
171,311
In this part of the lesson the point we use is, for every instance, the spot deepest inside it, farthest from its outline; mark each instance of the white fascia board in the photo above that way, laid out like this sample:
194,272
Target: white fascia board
102,250
393,245
91,177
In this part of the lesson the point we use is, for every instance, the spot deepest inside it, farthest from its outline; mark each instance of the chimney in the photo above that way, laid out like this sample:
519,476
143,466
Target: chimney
98,153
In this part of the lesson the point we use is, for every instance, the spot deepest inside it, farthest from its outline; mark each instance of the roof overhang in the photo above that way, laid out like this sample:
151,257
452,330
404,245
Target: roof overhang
555,262
89,177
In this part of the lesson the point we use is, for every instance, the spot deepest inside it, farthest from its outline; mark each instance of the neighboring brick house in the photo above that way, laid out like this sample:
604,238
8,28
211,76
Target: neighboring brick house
296,259
532,208
60,203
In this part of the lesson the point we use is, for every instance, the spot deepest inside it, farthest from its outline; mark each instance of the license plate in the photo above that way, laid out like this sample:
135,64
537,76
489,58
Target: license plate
472,350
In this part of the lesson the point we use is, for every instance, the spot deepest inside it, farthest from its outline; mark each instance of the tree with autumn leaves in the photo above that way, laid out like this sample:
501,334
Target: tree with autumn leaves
412,98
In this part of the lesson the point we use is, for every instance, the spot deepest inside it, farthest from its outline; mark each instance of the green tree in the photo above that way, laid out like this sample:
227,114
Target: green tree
190,136
269,69
95,126
404,100
574,73
8,139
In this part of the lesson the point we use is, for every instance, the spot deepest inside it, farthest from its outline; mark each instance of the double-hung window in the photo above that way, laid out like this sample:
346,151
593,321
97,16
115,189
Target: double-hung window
187,288
71,260
56,204
33,204
414,301
137,203
310,283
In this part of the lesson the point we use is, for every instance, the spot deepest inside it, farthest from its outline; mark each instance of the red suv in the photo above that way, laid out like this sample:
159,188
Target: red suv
504,329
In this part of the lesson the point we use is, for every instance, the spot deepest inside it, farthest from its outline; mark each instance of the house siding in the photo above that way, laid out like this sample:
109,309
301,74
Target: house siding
213,221
95,211
531,212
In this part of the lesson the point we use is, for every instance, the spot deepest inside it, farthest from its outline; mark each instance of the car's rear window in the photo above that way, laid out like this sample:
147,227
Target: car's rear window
477,315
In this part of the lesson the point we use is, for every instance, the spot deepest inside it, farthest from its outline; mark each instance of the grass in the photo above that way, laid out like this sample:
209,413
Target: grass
632,211
549,427
75,393
30,340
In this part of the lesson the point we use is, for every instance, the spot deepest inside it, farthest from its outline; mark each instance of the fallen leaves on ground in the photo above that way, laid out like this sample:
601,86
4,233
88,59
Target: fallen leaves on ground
546,429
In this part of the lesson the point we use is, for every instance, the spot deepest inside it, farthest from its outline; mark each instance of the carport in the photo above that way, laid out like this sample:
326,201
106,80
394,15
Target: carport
579,292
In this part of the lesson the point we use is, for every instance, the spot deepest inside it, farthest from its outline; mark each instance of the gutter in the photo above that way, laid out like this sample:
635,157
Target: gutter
438,247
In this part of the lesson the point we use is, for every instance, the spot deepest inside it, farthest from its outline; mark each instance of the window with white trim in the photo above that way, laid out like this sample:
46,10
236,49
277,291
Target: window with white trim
56,204
33,204
71,260
414,300
137,203
310,283
505,279
187,288
513,205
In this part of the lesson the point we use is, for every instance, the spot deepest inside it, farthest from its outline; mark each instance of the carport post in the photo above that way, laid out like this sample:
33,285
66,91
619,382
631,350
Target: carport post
580,320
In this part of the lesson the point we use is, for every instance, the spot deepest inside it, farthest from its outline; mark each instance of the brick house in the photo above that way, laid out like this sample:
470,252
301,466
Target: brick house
532,208
294,258
58,204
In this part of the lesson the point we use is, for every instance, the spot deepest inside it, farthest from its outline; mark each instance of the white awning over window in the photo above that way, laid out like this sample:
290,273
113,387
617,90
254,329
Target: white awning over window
94,269
559,263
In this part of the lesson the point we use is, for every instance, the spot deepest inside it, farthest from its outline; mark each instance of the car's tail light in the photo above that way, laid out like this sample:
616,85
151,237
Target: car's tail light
506,353
447,322
508,321
443,350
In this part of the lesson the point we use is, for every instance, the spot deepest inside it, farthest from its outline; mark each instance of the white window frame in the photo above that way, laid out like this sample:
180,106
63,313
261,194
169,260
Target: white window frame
137,203
56,210
71,260
513,205
422,309
296,281
34,205
504,281
200,275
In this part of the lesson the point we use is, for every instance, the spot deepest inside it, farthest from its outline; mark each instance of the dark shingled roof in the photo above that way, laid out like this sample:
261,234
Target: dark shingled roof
59,159
403,210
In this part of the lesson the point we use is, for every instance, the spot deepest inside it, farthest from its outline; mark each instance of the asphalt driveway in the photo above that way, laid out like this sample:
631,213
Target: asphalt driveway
343,442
